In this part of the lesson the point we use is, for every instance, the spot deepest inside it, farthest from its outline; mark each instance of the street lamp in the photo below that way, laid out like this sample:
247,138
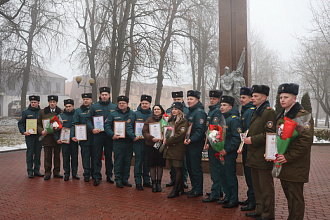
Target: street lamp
91,82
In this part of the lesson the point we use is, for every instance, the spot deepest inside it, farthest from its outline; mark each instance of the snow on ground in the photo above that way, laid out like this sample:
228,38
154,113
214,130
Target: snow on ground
8,121
10,148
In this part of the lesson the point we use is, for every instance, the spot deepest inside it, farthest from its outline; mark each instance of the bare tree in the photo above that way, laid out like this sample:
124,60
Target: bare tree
10,8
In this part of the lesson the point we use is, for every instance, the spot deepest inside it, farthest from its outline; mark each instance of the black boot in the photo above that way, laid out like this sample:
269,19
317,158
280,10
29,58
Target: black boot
175,192
159,187
181,188
154,186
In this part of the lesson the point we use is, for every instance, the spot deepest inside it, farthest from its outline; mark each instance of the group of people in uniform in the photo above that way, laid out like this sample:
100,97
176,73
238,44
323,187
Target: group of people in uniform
184,153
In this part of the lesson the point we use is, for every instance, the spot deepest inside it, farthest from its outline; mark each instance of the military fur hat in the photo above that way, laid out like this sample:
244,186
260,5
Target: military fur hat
122,98
177,105
53,97
146,98
215,93
246,91
288,88
105,89
68,101
34,98
228,99
87,95
178,94
194,93
260,89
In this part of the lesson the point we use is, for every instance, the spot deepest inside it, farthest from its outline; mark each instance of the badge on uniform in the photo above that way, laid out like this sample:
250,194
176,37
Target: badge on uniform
307,126
128,120
207,123
239,130
183,129
201,121
215,119
270,124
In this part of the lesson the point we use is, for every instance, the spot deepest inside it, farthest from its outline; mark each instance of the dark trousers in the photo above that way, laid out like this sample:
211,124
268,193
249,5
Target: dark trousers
102,142
123,152
70,157
194,165
184,171
50,152
33,153
294,193
141,168
215,166
248,178
228,179
87,159
263,185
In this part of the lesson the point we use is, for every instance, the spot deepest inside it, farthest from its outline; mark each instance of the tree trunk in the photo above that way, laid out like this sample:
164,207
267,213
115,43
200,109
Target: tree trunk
317,113
112,60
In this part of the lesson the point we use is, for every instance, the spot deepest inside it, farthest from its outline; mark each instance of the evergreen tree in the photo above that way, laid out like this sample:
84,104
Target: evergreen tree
306,102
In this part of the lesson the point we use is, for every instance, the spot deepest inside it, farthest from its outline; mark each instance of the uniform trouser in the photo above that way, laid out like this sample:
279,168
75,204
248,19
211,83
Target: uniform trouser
184,171
123,152
87,159
70,157
228,179
248,178
215,166
33,153
263,185
194,165
102,141
141,168
294,193
51,151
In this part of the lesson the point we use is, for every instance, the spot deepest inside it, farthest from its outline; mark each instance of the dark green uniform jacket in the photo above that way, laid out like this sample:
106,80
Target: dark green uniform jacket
67,118
197,116
298,153
246,115
141,115
118,115
79,118
214,115
262,122
234,128
176,149
29,113
185,109
100,108
46,114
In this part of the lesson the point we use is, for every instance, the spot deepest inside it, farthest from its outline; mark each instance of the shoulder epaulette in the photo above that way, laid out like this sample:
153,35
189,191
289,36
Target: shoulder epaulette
302,110
234,116
269,108
252,108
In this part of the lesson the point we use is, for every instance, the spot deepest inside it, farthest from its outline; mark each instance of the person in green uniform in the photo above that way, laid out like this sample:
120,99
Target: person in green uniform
122,146
79,118
33,145
178,97
228,170
70,150
51,148
246,115
213,118
141,169
262,122
100,139
195,143
175,149
296,160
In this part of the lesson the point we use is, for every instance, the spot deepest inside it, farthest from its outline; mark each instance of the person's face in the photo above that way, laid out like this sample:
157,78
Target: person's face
68,107
258,99
157,111
105,96
287,100
145,105
175,111
52,104
87,102
245,99
192,101
225,107
122,105
214,101
178,99
34,104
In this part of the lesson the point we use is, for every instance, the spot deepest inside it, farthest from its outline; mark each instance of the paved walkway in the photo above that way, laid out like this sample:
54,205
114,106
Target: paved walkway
24,198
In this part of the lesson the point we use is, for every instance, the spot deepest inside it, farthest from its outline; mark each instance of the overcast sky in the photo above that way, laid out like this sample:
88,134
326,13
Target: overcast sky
279,22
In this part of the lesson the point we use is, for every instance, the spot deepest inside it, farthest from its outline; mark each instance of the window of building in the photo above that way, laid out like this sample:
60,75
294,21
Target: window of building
37,86
133,106
58,87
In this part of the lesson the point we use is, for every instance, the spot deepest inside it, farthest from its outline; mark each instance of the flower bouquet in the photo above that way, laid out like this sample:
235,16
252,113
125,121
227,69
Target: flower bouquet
54,124
216,135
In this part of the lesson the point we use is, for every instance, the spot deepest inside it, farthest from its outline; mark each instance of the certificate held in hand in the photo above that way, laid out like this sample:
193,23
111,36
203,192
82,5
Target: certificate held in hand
81,132
65,135
31,126
98,122
119,128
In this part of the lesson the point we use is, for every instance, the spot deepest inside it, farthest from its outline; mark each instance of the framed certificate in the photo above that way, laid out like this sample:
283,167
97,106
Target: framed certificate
65,135
138,129
165,130
45,122
155,130
81,132
242,135
271,146
119,128
189,131
31,126
98,122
